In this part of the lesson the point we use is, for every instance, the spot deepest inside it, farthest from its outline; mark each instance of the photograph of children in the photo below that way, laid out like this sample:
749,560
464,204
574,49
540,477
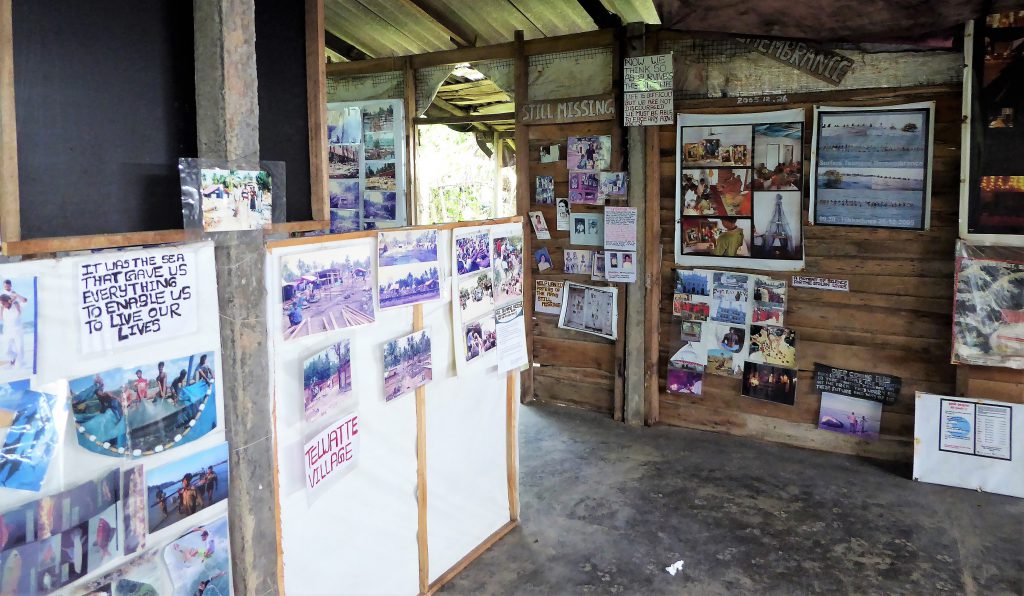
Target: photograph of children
543,258
379,145
235,199
344,220
326,290
540,227
687,308
508,268
408,271
769,300
682,381
138,410
597,267
29,435
545,190
589,309
778,156
102,539
587,229
476,295
577,261
18,310
716,145
343,161
481,337
583,188
327,380
861,418
611,186
134,508
344,126
407,363
692,282
729,338
547,297
716,192
473,252
724,363
723,237
344,193
200,561
380,175
186,486
562,215
690,331
549,154
777,232
772,345
589,153
770,383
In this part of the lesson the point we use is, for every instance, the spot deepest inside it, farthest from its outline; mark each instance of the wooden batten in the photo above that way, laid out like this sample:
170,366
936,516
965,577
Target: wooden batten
522,143
10,209
316,107
363,67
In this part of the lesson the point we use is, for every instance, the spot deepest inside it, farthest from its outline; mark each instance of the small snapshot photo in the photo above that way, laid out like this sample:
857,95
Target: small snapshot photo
344,126
404,248
380,205
697,283
407,364
722,237
577,262
717,146
186,486
543,258
379,119
611,186
476,294
344,220
344,193
730,286
586,229
379,145
343,161
380,175
777,226
540,226
327,380
683,381
724,363
508,268
549,154
716,192
545,190
769,291
326,290
772,345
481,337
408,270
18,309
860,418
687,309
770,383
200,561
778,156
584,188
690,331
472,252
235,199
597,267
730,338
589,153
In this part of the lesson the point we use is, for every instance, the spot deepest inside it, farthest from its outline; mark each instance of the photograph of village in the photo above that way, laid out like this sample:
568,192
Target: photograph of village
407,364
379,145
344,193
380,175
236,199
326,380
408,270
343,161
326,290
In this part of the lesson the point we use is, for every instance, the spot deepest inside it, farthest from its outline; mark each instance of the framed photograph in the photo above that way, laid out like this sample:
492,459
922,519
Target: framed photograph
589,309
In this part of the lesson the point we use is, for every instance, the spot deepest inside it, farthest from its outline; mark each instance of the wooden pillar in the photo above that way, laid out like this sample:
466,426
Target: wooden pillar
522,140
652,241
636,293
10,210
227,114
316,105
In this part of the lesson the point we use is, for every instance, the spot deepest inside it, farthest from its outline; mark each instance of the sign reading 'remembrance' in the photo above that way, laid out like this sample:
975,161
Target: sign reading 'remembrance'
332,453
133,298
820,63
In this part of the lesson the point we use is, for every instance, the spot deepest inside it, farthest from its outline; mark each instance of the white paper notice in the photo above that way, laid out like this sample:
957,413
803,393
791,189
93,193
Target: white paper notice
620,266
620,228
511,333
956,428
992,431
821,283
333,453
126,300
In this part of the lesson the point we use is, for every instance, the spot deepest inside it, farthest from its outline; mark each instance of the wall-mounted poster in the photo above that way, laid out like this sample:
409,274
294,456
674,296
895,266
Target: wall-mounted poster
871,167
326,290
738,197
988,308
590,309
548,297
992,136
584,188
591,154
408,271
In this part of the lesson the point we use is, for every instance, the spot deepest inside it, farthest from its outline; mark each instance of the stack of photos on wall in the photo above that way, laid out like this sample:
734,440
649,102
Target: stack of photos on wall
365,165
733,325
995,185
873,166
739,189
988,308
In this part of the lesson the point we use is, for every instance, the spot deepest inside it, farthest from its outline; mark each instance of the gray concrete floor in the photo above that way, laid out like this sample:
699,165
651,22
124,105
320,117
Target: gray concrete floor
605,508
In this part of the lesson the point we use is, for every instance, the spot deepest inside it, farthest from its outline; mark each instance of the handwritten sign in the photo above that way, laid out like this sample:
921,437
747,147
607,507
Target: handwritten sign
561,111
134,298
821,283
333,453
548,297
809,59
647,90
620,228
852,383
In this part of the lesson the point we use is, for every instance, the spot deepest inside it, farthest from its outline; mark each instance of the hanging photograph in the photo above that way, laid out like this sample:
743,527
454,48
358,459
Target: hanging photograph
407,268
684,381
620,266
344,220
18,311
586,229
738,190
769,300
611,186
725,363
692,282
407,364
200,561
859,418
235,199
508,267
872,166
770,383
562,215
326,290
327,380
772,345
344,126
577,261
543,258
184,487
481,337
344,194
29,433
988,307
591,154
589,309
545,194
584,188
343,161
540,227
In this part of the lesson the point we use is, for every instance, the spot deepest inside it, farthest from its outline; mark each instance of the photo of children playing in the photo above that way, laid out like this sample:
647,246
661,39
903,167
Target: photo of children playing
139,409
235,199
326,290
407,364
184,487
326,379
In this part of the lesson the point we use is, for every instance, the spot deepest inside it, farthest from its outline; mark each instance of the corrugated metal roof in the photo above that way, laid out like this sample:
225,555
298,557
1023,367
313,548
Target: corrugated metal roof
382,28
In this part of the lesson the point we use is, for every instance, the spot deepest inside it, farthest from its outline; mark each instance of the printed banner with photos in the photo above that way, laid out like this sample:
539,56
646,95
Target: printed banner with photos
366,164
738,190
872,166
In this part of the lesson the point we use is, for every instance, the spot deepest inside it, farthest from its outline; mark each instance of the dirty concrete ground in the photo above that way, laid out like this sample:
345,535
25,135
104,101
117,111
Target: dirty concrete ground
606,508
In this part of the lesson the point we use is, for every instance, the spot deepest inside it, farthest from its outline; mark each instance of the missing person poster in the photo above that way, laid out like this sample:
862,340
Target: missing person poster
620,228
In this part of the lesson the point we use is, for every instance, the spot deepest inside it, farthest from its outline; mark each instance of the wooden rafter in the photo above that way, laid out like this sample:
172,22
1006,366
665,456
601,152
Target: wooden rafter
603,18
459,35
343,48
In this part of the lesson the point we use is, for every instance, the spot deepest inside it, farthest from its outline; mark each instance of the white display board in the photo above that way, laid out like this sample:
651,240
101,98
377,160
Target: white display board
969,443
358,534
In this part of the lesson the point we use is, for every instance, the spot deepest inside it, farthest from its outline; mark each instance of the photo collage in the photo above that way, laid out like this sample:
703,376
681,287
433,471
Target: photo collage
740,184
731,324
365,183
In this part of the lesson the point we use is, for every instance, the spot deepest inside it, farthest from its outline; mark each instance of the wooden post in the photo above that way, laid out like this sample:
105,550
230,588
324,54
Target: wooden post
227,113
636,293
411,214
522,138
10,210
652,241
316,105
421,468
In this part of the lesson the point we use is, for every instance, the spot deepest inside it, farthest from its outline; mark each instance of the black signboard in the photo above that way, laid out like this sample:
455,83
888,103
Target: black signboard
865,385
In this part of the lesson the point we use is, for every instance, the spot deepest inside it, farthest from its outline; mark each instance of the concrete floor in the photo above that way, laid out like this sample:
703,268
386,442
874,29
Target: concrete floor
605,508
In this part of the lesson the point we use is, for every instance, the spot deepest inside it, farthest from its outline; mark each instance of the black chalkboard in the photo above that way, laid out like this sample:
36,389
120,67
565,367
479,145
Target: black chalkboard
105,103
284,121
853,383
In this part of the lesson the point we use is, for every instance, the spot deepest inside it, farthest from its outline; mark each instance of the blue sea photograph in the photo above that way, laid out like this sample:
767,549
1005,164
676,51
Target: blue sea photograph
860,418
877,197
881,139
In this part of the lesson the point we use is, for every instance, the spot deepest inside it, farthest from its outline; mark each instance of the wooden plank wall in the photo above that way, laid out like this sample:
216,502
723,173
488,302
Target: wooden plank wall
896,319
570,367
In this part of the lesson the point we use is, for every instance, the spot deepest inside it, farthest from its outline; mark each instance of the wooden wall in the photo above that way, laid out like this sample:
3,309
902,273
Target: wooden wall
896,319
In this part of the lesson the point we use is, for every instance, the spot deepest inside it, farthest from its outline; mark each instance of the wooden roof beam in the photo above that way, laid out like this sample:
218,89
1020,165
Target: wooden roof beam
459,35
602,17
343,48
